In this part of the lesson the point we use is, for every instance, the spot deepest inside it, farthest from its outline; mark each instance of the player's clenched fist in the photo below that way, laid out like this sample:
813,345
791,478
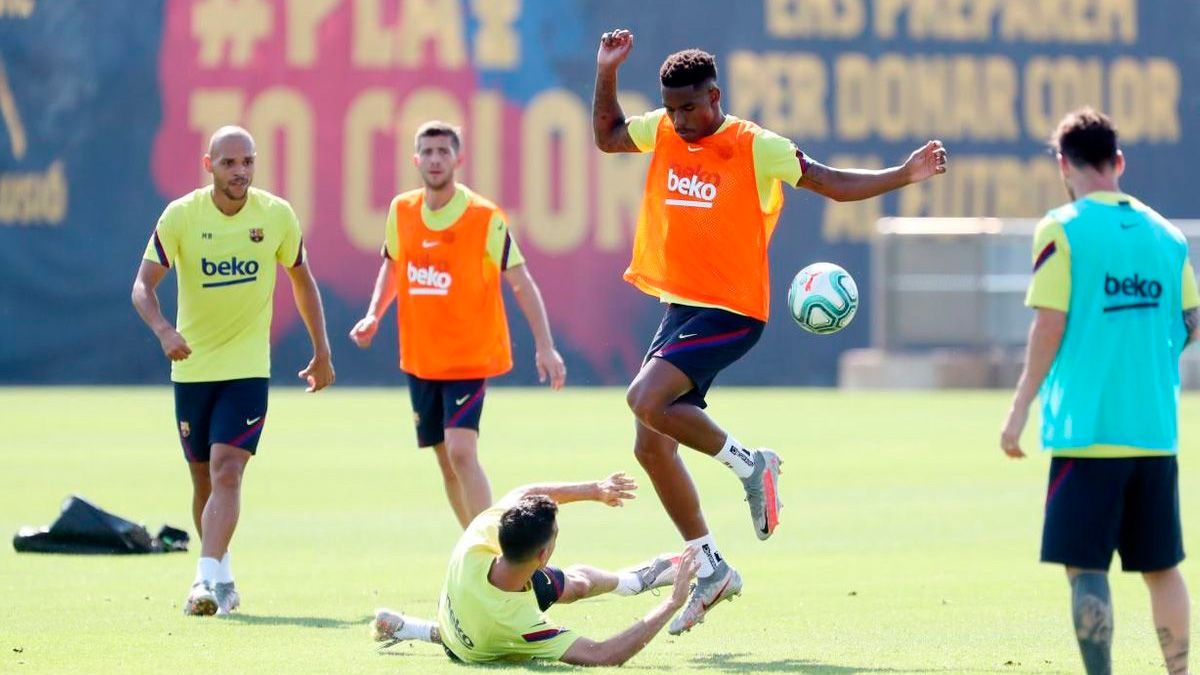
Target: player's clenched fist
614,47
174,346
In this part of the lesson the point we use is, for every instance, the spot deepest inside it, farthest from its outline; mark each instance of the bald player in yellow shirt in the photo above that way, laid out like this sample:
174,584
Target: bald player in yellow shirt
224,242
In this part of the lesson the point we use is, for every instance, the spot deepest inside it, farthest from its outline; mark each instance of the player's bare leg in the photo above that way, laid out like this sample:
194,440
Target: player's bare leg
1092,610
227,465
1170,604
201,489
659,456
462,447
454,491
652,397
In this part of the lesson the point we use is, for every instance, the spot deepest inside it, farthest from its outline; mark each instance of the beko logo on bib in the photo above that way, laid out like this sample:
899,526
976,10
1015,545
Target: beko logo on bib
428,280
1135,292
699,187
242,271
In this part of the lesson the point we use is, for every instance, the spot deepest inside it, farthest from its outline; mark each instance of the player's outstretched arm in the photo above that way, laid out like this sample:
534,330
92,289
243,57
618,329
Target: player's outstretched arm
549,362
381,298
608,120
614,491
319,373
618,649
847,185
1045,337
145,301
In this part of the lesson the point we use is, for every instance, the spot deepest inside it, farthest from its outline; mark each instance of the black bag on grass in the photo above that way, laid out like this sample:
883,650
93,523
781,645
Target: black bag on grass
85,528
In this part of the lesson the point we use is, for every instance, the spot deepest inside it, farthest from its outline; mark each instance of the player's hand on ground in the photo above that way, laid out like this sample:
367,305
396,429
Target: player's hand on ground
319,373
683,576
615,489
614,47
174,346
926,161
1010,435
364,331
550,366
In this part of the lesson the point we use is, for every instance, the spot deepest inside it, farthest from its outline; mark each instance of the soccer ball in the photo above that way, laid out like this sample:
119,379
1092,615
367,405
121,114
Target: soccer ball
823,298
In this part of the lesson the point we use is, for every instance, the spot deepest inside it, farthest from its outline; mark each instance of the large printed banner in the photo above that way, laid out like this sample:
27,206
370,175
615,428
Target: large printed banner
105,109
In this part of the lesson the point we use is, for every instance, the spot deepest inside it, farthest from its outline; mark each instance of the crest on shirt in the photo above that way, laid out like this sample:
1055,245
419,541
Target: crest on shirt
256,234
185,429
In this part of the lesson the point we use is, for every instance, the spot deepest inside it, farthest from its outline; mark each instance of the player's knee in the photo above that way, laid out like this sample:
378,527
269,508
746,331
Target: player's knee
227,476
645,406
461,455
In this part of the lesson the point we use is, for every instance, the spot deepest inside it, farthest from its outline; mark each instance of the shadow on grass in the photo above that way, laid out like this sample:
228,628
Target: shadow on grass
743,663
303,621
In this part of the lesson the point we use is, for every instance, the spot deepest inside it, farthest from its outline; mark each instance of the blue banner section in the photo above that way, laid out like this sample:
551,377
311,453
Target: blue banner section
105,109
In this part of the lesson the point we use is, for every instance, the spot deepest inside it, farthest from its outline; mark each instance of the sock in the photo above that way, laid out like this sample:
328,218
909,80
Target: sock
737,457
628,583
415,629
225,572
206,570
708,555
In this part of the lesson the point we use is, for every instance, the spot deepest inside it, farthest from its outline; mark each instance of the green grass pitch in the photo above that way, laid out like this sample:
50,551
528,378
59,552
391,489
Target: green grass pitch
908,543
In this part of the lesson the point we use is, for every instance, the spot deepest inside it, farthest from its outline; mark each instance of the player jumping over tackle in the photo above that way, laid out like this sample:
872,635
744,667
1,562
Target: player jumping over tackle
711,200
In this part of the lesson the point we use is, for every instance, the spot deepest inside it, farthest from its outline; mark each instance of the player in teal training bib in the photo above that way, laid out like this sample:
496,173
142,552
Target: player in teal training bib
1116,302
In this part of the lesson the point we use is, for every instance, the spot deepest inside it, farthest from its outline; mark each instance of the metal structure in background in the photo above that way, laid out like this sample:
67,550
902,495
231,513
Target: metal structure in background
956,286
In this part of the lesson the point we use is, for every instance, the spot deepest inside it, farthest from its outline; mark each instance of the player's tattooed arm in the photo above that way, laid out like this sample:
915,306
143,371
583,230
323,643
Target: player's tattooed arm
608,120
847,185
1191,321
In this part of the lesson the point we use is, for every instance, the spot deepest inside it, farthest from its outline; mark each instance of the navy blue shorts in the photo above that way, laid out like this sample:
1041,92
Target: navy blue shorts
1129,505
702,341
548,585
231,412
444,404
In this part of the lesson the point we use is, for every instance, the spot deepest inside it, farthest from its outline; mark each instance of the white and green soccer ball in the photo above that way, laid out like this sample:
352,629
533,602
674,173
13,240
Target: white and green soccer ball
823,298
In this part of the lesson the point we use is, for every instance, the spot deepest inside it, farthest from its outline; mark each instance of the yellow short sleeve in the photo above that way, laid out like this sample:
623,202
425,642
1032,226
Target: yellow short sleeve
1190,295
391,237
533,636
502,249
1051,284
775,158
643,129
163,246
291,251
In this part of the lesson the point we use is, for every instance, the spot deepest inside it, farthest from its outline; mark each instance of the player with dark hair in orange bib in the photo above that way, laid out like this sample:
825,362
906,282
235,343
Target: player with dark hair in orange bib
711,201
446,249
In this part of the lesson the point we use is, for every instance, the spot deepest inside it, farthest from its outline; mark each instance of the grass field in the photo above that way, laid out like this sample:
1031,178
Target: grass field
908,543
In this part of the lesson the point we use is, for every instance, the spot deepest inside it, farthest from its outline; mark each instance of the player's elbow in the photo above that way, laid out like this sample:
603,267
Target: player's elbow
606,140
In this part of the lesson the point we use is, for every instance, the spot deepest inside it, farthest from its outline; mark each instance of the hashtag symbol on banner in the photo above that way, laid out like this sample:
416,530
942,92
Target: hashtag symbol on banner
235,26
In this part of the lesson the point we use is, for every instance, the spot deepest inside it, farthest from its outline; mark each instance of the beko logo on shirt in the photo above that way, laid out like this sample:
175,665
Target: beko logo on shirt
1142,291
700,187
242,271
428,280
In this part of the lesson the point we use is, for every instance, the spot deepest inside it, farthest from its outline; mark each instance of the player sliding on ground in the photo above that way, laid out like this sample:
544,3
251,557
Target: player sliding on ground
499,584
711,200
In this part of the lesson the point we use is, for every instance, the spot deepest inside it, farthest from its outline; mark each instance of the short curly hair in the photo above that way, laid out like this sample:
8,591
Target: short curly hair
1086,138
688,68
526,527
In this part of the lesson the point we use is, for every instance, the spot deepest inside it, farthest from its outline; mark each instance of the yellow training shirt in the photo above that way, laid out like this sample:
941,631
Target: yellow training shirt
480,622
225,269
